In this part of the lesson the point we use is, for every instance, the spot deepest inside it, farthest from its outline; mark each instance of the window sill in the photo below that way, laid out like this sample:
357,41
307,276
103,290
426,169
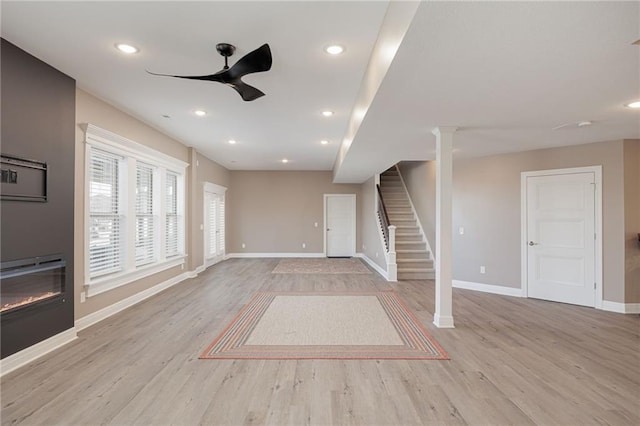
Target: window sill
103,284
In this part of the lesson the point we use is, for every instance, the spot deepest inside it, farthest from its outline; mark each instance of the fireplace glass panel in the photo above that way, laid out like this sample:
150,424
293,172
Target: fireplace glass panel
27,282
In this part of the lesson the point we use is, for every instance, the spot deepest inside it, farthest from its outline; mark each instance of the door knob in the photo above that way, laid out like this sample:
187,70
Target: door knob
531,243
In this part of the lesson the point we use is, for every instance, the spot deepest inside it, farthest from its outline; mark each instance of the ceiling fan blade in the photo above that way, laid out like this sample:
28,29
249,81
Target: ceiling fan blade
247,92
212,77
257,61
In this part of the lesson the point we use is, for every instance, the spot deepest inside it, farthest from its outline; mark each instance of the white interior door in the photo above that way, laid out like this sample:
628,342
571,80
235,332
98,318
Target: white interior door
340,221
561,238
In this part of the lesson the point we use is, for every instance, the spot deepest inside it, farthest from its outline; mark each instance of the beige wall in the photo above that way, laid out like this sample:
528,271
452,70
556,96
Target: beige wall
420,178
275,212
371,243
486,202
90,109
632,219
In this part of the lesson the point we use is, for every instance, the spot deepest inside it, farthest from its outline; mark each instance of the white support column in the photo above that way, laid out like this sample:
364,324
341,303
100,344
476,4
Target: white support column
392,266
443,316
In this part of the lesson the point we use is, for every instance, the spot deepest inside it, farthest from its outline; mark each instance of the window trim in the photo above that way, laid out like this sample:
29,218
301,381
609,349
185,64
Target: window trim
96,137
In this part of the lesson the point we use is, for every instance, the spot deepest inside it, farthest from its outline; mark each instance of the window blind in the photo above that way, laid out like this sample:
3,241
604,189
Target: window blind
105,231
172,219
145,221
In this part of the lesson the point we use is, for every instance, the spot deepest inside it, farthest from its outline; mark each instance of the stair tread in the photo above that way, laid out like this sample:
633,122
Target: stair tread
416,270
412,251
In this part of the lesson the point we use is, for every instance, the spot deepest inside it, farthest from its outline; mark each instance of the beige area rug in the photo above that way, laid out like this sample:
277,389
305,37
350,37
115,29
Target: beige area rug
321,266
325,325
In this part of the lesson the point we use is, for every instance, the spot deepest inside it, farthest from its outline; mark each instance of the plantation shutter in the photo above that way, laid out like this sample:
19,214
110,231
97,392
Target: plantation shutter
211,225
172,220
145,220
105,227
220,225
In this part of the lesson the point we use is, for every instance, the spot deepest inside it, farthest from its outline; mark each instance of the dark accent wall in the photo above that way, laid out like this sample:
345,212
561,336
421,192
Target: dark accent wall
38,118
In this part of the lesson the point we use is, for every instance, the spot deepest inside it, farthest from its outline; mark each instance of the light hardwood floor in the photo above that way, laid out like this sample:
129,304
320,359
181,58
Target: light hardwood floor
513,361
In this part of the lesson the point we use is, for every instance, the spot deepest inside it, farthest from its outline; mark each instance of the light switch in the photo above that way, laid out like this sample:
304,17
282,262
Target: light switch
461,230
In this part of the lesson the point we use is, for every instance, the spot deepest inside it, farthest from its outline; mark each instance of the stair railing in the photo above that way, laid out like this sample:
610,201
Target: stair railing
383,216
389,234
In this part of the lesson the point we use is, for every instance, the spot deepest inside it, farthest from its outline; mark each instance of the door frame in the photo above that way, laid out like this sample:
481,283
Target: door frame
353,220
597,171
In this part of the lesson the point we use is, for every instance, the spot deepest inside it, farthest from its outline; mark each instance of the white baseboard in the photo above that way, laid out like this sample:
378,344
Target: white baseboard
442,321
374,265
488,288
104,313
621,308
34,352
200,269
271,255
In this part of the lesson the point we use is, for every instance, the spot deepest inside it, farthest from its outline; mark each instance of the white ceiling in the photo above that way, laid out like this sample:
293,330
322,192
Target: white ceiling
505,73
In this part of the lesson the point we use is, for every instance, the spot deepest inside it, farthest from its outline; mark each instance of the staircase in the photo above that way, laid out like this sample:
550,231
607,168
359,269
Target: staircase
412,257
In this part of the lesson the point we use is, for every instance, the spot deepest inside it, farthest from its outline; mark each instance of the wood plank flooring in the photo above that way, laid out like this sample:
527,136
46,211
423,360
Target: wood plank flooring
513,361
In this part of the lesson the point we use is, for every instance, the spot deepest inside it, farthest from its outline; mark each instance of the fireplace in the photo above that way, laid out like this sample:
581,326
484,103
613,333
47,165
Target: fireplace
29,283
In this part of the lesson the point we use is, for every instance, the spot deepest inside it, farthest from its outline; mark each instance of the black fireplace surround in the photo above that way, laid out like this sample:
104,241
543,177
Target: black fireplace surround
38,132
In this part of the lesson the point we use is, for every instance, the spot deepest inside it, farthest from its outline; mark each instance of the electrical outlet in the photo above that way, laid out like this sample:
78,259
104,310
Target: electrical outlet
304,245
315,224
482,270
243,245
83,297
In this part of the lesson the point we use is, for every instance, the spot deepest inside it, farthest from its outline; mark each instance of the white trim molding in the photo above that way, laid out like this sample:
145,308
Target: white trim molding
597,171
95,317
270,255
25,356
374,265
100,137
621,308
488,288
109,283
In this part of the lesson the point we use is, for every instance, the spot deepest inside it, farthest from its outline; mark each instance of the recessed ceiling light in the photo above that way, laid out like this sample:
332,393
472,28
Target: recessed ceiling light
635,104
585,123
335,49
327,113
231,141
200,113
127,48
284,160
324,142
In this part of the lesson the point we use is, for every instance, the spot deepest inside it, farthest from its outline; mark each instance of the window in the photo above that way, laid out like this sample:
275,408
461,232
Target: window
145,220
135,214
173,219
104,214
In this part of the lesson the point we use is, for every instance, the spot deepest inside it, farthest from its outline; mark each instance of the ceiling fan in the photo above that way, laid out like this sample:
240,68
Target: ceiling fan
257,61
